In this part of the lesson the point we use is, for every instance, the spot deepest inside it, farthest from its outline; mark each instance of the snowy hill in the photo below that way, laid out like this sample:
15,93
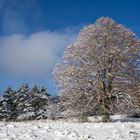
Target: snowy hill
66,130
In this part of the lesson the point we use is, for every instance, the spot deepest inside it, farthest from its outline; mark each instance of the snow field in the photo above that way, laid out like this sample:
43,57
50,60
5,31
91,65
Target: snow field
63,130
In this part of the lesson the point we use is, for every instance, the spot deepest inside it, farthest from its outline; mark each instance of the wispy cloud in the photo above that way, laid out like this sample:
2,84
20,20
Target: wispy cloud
32,55
22,52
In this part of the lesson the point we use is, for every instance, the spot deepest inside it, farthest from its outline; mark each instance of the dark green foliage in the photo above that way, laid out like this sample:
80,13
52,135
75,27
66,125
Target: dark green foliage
24,103
38,99
9,107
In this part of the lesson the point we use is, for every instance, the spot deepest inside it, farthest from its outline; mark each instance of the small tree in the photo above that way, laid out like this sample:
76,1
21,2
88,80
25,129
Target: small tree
22,100
39,99
99,73
2,114
9,108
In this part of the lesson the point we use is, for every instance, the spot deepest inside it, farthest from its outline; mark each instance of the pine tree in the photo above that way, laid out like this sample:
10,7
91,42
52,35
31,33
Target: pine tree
8,105
1,107
24,104
39,99
22,100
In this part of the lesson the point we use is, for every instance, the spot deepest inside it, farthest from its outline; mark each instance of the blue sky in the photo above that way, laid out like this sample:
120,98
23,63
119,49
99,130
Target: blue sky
34,34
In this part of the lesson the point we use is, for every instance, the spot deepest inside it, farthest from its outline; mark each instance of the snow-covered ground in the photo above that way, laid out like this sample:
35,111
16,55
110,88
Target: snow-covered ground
69,130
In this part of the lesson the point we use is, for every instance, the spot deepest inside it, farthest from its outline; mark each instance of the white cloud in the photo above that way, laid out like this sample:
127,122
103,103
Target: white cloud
32,55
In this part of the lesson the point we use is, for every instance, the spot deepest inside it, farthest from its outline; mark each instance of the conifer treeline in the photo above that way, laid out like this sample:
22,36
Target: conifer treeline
25,103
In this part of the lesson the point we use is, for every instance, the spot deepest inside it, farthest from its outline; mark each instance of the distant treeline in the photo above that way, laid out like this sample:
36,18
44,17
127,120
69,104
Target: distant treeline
25,103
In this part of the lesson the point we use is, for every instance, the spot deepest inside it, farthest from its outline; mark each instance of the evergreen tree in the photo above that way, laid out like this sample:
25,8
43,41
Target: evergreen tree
9,108
1,108
22,100
24,104
39,99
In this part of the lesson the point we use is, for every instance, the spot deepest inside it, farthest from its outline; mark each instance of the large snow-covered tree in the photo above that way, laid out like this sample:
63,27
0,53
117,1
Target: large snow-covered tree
100,73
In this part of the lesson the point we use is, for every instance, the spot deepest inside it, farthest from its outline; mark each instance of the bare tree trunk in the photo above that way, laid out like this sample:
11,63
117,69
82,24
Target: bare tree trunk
83,117
105,115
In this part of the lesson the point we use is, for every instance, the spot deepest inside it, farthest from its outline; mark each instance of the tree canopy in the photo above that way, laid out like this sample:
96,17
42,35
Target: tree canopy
100,71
